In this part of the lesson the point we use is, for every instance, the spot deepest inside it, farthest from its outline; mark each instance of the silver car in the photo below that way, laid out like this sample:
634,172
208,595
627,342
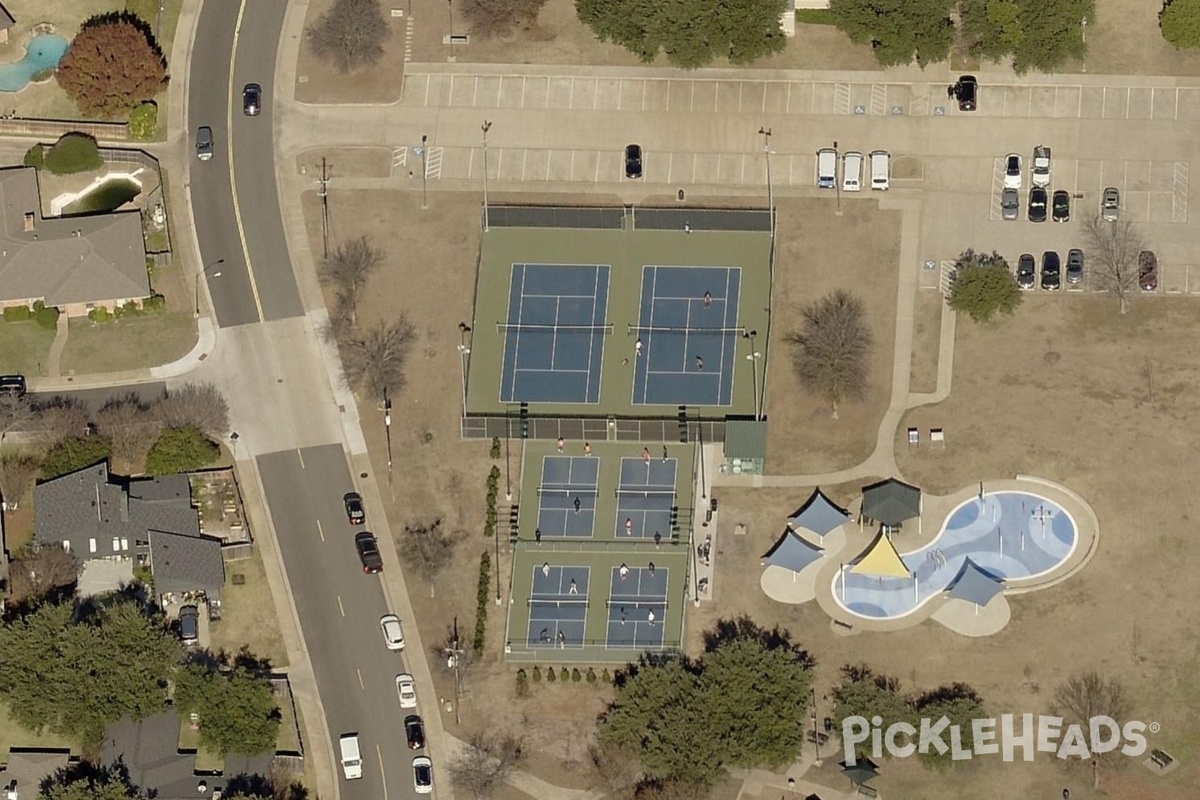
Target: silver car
1010,205
1110,206
204,143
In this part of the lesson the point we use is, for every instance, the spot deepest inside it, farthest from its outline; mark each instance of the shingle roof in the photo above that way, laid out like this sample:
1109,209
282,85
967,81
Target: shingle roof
183,563
29,767
86,259
7,20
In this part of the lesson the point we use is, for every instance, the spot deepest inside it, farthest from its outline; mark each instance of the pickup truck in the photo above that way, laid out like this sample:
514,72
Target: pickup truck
368,552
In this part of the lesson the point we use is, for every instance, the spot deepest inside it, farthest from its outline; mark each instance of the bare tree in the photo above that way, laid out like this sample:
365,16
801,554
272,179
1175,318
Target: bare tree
483,764
129,425
374,359
15,413
500,17
199,404
831,348
1113,249
40,571
17,472
59,418
1086,696
348,268
351,34
427,547
616,770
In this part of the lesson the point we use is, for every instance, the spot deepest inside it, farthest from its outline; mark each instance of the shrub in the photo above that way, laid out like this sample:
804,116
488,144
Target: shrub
495,453
180,450
564,675
73,453
73,152
100,315
143,122
576,675
155,302
551,677
482,601
522,684
46,317
606,676
35,156
537,674
17,314
591,676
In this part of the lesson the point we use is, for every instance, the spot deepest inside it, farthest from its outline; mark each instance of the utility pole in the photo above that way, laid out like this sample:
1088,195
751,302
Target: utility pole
456,654
324,207
753,358
387,428
485,127
463,352
201,275
424,173
837,186
766,134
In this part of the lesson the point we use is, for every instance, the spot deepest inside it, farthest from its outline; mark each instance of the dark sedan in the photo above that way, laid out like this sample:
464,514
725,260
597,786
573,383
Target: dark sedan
354,508
1037,204
1051,271
966,91
1148,271
368,553
1062,206
1026,271
633,161
414,732
252,100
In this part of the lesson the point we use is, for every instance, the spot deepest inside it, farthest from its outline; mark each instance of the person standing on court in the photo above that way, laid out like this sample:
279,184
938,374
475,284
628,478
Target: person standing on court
707,300
577,504
572,589
664,454
646,455
699,365
637,347
650,617
624,571
561,444
587,448
629,526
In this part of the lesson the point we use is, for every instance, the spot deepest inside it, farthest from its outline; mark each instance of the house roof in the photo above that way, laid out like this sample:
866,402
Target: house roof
7,20
974,584
85,259
745,438
792,552
183,563
819,514
98,517
891,502
28,767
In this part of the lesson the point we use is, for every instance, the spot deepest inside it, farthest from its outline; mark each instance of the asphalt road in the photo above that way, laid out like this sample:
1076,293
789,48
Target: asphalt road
339,608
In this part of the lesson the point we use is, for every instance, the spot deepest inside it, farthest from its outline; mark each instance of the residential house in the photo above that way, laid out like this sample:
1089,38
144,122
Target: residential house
7,20
27,768
72,263
115,523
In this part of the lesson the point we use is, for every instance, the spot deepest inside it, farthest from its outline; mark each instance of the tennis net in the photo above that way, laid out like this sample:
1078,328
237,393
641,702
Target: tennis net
666,494
504,327
646,330
543,603
625,605
567,491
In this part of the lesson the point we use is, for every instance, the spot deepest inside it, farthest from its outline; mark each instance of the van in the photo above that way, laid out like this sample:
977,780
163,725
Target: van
852,172
826,168
189,625
13,385
351,757
880,170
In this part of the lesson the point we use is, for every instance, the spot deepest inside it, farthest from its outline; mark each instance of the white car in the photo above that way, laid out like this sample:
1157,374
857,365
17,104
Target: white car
423,775
1039,175
1012,171
393,634
852,164
406,688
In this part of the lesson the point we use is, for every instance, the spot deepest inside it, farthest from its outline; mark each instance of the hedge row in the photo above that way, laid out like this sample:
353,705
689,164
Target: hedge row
482,600
561,675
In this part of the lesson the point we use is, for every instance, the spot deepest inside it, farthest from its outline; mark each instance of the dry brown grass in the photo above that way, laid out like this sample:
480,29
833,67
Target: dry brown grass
318,82
927,334
248,614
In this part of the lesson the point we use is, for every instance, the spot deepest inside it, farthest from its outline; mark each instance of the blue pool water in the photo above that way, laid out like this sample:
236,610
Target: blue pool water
42,52
1009,535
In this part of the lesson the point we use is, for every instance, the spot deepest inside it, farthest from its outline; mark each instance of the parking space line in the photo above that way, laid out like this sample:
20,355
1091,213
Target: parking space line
1127,94
595,95
475,93
878,98
644,82
694,168
670,166
692,96
524,163
571,96
572,165
549,163
763,109
788,106
742,176
599,156
1179,195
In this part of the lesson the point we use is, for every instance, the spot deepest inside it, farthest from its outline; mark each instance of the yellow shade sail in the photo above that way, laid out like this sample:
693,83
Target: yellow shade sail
881,559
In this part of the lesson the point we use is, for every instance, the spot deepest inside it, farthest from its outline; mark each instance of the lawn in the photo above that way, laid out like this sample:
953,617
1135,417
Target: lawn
13,735
189,739
128,343
24,347
248,614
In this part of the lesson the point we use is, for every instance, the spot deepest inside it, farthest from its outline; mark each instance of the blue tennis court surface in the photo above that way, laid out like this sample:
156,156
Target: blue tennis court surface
558,606
567,496
637,606
687,330
554,334
645,497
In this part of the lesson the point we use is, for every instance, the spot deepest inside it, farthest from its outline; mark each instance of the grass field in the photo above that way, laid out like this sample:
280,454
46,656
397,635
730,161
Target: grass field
24,347
128,343
13,735
248,614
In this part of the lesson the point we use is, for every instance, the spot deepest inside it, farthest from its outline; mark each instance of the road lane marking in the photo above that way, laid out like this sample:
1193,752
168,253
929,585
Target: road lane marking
300,455
237,212
361,685
382,773
320,530
341,608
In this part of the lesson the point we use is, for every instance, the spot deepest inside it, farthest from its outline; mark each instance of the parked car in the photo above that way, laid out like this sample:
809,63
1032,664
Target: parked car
354,508
1037,204
406,688
1051,271
1148,271
633,161
13,384
252,100
204,143
414,732
852,164
966,91
1110,204
1012,171
1062,206
1039,173
1074,266
393,633
1010,204
423,775
189,625
368,552
1026,271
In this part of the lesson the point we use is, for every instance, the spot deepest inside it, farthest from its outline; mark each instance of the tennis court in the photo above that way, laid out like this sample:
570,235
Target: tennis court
637,607
558,606
686,336
645,497
567,496
554,333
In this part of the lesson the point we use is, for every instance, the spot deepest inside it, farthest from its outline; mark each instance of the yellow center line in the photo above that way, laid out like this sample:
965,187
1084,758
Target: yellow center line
237,209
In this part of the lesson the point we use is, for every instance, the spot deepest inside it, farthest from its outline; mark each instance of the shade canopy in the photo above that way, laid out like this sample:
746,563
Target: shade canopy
974,584
792,552
891,502
861,772
819,514
881,559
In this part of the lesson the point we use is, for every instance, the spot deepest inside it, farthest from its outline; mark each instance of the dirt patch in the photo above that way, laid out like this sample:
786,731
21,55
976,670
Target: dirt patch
927,336
1124,39
248,614
346,162
862,257
317,81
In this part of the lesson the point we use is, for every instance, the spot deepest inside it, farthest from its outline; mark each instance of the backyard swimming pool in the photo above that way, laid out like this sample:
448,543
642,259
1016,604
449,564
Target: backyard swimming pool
41,52
1009,535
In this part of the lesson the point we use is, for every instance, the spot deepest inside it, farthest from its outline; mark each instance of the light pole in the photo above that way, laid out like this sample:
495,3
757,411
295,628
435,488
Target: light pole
836,185
766,134
753,359
424,173
485,128
387,429
463,352
200,275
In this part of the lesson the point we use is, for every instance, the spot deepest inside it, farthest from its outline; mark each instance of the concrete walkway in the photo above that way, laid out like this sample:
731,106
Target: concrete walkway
54,362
